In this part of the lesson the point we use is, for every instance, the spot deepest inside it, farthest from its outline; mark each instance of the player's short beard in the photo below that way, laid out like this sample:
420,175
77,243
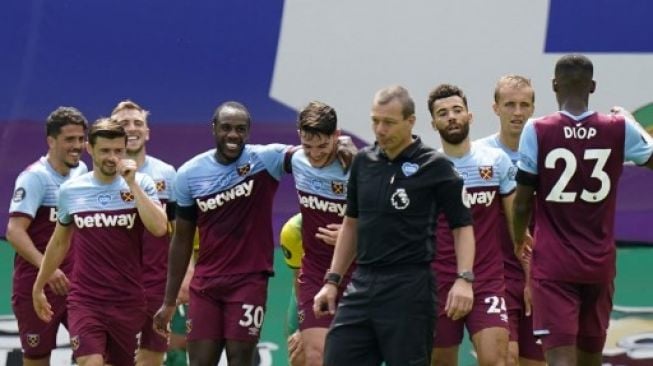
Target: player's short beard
72,165
455,138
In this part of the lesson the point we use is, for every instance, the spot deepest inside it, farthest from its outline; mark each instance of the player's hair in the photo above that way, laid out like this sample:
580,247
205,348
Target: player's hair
230,105
515,82
64,116
317,118
574,68
129,105
107,128
390,93
445,91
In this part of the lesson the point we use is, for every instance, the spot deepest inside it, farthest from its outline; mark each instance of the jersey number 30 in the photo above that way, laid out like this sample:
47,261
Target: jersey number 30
558,193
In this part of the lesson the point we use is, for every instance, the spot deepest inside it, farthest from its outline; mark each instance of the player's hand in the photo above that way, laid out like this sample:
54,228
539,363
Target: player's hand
59,283
184,292
346,150
621,111
42,307
127,169
459,300
324,303
528,299
524,251
162,318
328,234
296,350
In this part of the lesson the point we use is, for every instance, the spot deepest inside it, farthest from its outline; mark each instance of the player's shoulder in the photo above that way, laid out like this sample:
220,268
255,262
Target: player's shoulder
259,149
198,162
488,153
159,164
490,140
84,180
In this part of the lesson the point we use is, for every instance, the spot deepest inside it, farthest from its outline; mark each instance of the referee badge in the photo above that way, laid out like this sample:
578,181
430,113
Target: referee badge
400,199
409,168
486,172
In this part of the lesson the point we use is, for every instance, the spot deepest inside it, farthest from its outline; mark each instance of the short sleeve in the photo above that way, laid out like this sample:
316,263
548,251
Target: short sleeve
352,187
528,149
181,190
638,145
273,157
507,174
28,194
449,195
63,209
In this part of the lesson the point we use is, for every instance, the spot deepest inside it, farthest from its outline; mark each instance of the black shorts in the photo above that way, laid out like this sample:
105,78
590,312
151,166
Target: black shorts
386,314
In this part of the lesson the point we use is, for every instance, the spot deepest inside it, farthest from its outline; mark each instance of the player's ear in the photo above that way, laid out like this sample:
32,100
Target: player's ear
89,148
593,86
50,140
554,84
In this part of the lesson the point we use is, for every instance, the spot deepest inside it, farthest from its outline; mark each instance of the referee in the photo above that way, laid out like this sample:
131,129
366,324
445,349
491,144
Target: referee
396,190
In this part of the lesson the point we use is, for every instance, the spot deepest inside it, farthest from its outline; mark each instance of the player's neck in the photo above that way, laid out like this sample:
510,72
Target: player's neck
58,166
138,157
508,140
574,105
102,178
456,150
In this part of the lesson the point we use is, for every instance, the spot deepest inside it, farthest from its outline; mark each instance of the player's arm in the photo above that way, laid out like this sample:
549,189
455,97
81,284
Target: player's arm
20,240
55,253
343,255
149,208
345,250
181,250
461,296
522,208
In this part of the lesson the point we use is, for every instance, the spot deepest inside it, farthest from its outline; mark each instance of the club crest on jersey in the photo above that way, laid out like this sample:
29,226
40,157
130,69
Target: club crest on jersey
189,325
104,199
127,196
337,187
400,199
19,194
244,169
301,316
409,168
33,340
160,185
486,172
74,342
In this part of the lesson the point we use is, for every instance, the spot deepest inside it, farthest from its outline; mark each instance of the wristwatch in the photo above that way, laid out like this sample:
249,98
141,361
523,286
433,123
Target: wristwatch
332,278
468,276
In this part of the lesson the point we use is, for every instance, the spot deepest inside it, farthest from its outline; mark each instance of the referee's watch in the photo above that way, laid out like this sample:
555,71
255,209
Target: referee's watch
332,278
468,276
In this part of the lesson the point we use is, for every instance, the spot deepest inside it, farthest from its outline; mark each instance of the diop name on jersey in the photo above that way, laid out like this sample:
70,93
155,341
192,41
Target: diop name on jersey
315,203
241,190
579,132
478,198
106,220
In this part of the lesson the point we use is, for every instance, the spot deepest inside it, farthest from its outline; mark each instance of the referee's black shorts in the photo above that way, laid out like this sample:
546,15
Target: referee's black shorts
386,314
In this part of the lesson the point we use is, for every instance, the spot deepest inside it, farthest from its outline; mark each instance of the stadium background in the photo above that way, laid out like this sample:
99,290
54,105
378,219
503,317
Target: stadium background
181,59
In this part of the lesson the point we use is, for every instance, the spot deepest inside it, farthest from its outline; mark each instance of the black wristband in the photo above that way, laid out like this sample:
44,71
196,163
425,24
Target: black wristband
332,278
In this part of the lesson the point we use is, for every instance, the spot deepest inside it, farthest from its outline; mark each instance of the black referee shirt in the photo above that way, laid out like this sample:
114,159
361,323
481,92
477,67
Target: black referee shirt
397,202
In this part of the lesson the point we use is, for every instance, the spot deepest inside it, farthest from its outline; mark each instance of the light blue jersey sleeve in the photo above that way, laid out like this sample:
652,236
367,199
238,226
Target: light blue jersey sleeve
181,189
528,149
148,186
63,209
170,178
273,156
28,194
508,170
638,146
